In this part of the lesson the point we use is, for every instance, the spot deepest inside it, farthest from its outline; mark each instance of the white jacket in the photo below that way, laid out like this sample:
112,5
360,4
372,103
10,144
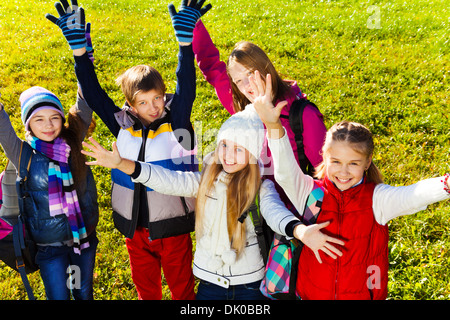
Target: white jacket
214,261
389,202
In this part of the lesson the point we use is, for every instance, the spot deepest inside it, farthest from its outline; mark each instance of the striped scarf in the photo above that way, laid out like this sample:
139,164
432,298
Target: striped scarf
62,196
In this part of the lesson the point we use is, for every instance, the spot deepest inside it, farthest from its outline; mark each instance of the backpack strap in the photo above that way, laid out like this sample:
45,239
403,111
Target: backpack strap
296,124
26,151
263,233
18,229
313,207
19,245
22,170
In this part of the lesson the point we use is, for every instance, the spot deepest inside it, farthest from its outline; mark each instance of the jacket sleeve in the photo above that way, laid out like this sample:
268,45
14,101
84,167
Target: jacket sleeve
288,174
97,99
170,182
183,98
8,139
391,202
214,70
85,113
273,209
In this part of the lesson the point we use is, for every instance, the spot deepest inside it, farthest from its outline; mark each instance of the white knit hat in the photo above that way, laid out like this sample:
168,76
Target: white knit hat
246,129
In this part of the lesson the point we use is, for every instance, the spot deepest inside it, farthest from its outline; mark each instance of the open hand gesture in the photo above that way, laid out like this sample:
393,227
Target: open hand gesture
184,21
107,158
72,23
103,157
316,240
263,104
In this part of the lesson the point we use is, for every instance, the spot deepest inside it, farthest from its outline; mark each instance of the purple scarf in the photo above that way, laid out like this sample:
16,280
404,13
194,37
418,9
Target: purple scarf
62,196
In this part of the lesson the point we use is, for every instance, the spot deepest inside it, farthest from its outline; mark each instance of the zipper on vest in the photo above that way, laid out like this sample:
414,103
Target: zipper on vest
339,214
137,186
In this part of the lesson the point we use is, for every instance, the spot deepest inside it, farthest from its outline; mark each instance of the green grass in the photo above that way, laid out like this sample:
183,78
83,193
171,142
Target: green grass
394,79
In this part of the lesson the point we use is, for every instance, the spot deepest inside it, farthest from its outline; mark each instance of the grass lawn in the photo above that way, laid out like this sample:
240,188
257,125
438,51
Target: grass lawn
384,64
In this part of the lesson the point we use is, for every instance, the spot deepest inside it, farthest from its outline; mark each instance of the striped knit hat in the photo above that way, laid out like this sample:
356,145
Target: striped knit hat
37,98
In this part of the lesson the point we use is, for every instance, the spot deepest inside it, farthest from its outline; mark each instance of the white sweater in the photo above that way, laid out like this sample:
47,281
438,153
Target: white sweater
388,202
214,261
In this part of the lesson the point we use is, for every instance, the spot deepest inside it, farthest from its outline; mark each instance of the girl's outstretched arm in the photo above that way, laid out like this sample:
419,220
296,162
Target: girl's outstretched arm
162,180
279,218
390,202
106,158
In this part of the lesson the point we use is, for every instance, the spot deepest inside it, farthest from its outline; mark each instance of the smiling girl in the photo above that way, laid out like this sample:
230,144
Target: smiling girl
60,206
230,81
356,203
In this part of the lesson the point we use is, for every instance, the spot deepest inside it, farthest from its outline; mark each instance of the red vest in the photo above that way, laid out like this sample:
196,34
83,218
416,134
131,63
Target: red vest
362,271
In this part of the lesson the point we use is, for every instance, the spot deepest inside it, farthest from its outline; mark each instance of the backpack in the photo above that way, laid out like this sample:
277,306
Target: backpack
280,255
17,249
262,230
296,123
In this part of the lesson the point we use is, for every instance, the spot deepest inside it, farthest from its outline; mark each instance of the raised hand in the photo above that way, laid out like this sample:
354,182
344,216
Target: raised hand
103,157
312,237
72,23
184,21
269,114
106,158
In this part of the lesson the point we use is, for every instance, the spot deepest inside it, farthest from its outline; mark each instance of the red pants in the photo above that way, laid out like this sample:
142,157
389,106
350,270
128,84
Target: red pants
173,254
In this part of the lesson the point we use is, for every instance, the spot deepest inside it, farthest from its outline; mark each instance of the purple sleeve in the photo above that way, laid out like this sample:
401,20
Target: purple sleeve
214,70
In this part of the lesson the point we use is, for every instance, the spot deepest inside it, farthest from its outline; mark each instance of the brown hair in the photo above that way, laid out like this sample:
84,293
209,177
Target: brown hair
360,139
140,78
241,191
73,132
254,58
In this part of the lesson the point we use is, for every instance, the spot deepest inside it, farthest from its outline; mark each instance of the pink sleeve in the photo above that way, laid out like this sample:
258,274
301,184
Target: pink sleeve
314,131
214,70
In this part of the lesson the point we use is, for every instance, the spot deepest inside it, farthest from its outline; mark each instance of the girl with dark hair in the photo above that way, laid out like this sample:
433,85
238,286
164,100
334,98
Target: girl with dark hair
60,207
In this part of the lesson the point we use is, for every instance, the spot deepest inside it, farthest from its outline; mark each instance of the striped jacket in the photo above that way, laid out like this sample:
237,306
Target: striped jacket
157,145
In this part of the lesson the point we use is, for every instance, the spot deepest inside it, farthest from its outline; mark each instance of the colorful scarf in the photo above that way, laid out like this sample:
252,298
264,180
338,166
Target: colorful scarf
62,196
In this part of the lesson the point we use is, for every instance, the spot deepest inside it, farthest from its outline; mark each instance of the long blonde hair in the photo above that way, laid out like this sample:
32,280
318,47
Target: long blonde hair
241,190
360,139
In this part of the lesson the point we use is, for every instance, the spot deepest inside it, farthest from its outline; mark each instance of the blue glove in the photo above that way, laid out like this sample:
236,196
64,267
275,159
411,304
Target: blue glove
89,48
184,21
72,23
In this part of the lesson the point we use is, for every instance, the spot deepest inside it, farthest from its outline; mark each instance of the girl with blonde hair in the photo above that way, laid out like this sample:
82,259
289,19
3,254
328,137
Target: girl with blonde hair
227,259
357,203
